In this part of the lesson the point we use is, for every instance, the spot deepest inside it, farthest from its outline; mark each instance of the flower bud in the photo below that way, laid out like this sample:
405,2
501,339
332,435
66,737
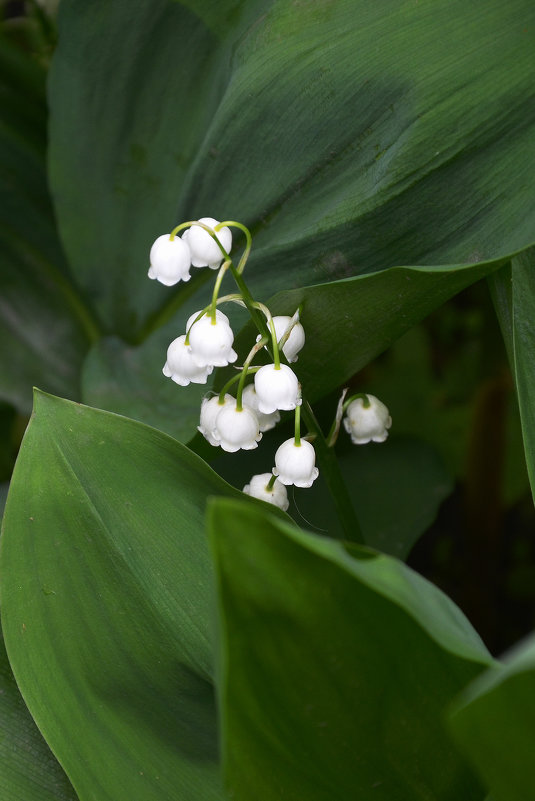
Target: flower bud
210,408
295,464
211,343
367,423
181,367
258,488
236,429
204,249
276,388
265,421
170,260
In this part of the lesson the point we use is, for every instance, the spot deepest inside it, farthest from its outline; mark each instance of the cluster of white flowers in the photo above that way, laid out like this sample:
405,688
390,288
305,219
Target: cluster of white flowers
237,423
172,257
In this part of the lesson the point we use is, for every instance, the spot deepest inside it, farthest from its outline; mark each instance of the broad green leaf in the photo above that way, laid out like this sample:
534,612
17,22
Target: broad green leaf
105,599
494,723
28,770
351,136
514,294
44,328
132,87
335,668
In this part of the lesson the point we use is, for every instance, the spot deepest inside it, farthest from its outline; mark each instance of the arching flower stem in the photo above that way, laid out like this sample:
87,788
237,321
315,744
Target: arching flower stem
245,255
208,230
247,371
221,274
365,400
242,375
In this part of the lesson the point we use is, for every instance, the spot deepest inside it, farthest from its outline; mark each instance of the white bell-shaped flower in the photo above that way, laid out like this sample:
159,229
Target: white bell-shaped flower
218,314
295,341
211,343
237,429
295,464
170,260
367,423
204,249
258,488
265,421
181,366
210,408
276,388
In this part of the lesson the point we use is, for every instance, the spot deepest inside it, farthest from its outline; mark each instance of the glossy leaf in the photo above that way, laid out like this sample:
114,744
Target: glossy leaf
335,668
350,136
494,723
27,768
106,603
44,328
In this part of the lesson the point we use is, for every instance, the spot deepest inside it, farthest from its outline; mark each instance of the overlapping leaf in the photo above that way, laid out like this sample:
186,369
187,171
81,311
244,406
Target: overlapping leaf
38,779
494,723
335,668
105,602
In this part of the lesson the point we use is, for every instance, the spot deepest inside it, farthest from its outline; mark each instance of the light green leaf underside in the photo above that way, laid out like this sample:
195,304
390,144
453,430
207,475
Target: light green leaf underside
350,136
106,603
494,722
335,668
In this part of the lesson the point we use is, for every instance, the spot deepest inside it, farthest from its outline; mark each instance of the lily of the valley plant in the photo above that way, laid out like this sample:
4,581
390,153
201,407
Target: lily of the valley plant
237,423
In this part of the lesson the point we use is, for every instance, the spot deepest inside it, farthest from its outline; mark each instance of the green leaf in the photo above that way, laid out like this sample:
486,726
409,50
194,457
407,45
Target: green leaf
28,769
494,723
106,585
44,328
132,86
514,295
335,668
129,380
350,136
350,322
